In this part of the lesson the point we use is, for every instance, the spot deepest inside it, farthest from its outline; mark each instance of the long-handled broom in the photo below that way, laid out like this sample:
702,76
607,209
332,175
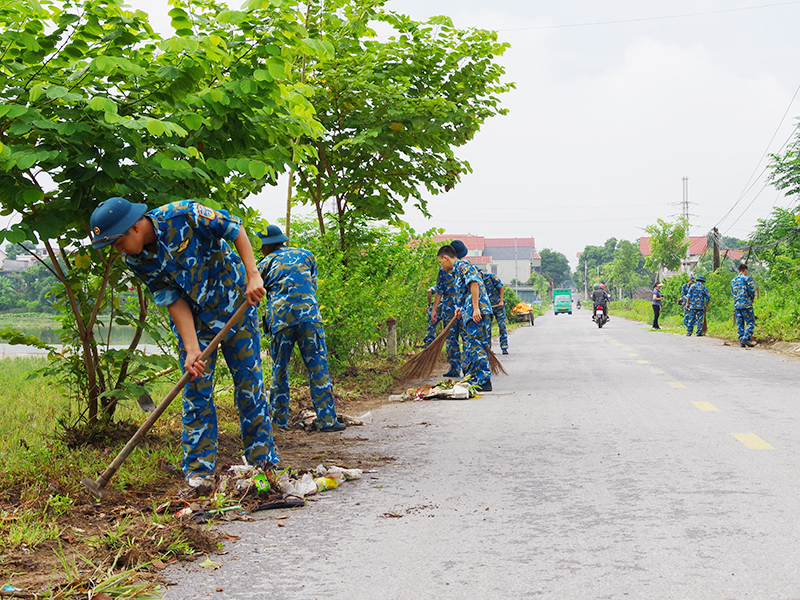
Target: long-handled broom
422,364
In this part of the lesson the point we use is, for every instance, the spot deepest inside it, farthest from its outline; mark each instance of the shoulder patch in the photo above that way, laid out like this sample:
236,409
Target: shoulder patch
206,212
183,245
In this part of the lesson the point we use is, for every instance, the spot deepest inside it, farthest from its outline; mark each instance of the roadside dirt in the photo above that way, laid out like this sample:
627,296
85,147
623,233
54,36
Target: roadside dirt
132,529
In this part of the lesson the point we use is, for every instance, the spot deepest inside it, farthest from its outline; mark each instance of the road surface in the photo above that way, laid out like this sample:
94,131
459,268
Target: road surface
613,463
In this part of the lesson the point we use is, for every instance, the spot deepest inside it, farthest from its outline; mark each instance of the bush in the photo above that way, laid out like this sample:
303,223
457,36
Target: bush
385,273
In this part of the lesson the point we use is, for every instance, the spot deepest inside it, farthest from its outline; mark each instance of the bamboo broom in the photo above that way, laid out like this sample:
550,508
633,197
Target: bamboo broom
422,364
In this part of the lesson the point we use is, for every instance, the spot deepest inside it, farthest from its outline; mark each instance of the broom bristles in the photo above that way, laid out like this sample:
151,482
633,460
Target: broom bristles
494,363
422,364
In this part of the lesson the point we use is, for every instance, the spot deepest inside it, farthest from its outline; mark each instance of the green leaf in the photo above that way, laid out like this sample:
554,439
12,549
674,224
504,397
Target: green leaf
155,127
35,92
277,70
257,169
56,91
105,65
97,103
168,72
262,75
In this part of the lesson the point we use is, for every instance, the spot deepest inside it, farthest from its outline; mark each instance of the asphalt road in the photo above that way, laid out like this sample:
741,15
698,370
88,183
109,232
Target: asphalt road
613,463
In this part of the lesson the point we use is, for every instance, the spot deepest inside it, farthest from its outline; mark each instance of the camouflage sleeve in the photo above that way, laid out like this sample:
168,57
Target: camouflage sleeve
214,223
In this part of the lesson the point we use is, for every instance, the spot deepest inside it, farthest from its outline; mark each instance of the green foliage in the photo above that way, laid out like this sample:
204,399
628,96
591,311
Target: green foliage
617,264
555,268
540,285
668,244
393,110
386,274
785,169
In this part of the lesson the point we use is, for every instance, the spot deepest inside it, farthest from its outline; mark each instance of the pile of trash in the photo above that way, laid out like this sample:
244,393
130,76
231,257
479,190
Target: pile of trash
447,389
245,489
307,419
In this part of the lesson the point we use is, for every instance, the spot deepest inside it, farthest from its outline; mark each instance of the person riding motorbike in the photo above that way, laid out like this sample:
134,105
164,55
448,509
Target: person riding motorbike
599,298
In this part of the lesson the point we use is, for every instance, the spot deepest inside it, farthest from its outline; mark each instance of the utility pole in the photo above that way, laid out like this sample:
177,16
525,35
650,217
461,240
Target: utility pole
516,269
585,280
715,241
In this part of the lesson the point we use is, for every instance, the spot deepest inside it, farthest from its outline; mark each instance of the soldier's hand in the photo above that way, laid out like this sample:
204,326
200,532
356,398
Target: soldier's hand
255,289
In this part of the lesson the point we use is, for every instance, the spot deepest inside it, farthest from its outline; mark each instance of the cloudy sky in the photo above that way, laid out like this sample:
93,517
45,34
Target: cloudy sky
616,102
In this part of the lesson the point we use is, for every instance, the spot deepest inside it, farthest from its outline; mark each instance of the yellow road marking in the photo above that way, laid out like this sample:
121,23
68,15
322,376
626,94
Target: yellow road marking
619,345
633,355
643,362
676,385
705,406
752,441
657,371
628,349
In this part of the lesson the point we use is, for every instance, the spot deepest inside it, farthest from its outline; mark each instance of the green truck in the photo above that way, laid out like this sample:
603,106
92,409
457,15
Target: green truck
562,300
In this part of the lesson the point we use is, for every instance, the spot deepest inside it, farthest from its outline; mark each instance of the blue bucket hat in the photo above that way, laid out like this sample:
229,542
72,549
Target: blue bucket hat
700,278
274,235
459,247
112,218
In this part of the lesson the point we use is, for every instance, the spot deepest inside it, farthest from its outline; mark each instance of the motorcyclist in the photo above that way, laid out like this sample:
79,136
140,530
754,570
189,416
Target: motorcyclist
599,298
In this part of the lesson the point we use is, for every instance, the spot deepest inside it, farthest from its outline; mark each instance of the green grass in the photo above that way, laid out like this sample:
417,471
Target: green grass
642,310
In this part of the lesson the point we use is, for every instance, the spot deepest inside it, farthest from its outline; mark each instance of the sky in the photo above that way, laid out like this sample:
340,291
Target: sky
616,102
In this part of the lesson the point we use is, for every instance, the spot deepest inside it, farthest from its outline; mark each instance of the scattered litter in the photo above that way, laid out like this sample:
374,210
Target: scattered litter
447,389
210,564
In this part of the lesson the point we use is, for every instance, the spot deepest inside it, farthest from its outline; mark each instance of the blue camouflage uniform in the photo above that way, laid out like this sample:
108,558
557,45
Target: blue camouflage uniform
696,303
445,287
192,261
744,291
685,297
293,317
493,287
430,331
476,336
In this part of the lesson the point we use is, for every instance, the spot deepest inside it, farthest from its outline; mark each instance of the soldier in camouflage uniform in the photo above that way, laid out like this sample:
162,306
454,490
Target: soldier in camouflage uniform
293,317
696,303
684,298
744,292
472,305
444,307
180,252
495,290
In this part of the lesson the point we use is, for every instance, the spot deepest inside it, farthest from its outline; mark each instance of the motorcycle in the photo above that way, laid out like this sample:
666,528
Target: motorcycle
600,317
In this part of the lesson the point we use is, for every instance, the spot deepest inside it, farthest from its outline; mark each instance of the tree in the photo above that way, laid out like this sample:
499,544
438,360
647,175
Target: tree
668,245
785,169
622,272
555,267
393,111
94,104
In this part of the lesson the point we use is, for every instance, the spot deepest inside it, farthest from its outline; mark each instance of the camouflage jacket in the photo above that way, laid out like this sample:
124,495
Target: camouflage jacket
290,278
466,273
446,287
743,290
193,261
698,296
493,287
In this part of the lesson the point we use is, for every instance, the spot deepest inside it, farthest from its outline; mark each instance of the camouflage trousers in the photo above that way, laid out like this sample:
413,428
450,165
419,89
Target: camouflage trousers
745,320
499,314
430,332
310,340
242,352
694,320
476,356
452,346
686,316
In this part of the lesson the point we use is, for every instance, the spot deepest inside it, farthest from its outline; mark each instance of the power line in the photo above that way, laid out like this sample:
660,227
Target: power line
642,19
752,181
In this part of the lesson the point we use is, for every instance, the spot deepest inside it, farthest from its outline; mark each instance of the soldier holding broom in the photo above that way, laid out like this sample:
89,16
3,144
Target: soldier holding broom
472,305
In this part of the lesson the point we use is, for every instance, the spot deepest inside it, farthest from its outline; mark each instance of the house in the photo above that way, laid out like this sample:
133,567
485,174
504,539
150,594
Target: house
508,258
698,247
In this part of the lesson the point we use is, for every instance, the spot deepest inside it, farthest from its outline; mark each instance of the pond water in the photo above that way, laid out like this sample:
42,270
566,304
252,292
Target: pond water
47,331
